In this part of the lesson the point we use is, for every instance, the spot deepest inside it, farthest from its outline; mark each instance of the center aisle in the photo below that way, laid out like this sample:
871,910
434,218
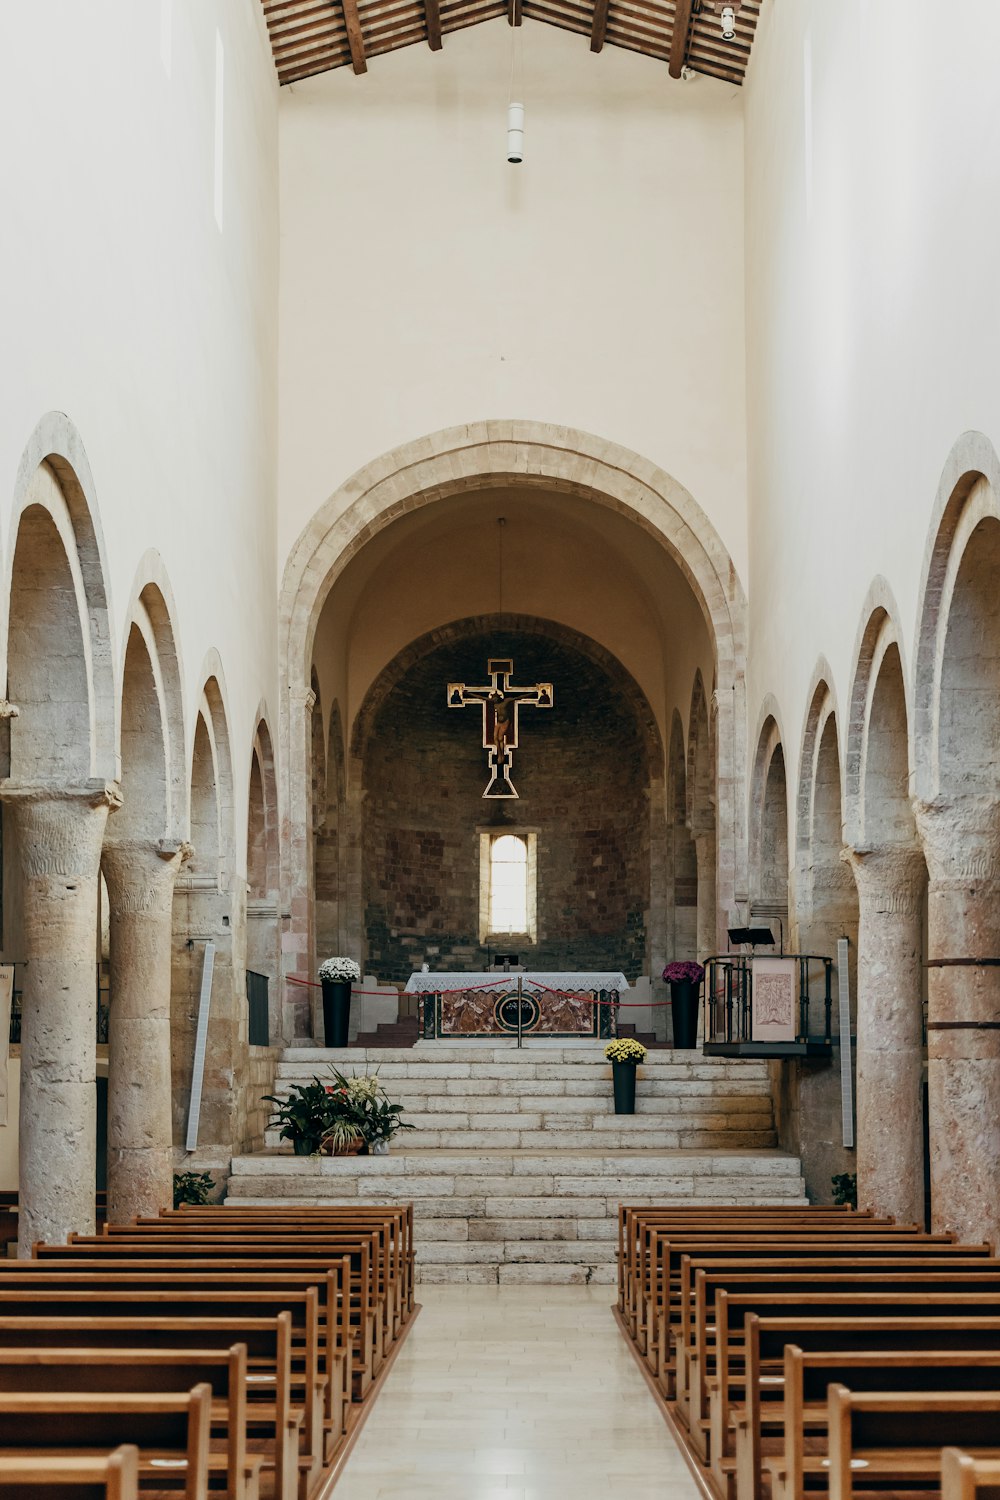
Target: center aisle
524,1393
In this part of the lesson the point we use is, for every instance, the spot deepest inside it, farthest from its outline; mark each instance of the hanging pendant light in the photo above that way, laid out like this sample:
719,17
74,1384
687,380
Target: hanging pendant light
515,93
515,133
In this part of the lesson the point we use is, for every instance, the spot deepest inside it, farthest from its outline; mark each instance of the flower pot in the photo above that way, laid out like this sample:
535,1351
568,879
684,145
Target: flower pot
349,1148
302,1147
336,1011
623,1078
684,1009
379,1148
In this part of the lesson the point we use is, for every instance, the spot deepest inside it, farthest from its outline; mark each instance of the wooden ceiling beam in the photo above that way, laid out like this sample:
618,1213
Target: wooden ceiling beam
355,40
599,25
310,13
432,17
514,12
307,46
679,37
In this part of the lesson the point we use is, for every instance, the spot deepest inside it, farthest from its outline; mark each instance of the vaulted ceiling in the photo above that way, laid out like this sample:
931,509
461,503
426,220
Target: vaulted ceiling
315,36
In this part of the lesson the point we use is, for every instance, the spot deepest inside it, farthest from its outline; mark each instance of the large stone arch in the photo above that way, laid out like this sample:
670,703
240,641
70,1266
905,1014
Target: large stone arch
769,823
55,492
144,847
492,455
957,805
58,757
890,876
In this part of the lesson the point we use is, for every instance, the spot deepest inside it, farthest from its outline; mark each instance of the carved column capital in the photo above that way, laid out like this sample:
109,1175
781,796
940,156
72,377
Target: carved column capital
140,874
890,879
961,841
59,827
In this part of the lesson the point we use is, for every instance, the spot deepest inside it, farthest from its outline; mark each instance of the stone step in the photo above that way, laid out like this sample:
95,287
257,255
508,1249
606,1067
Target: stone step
584,1087
443,1062
518,1216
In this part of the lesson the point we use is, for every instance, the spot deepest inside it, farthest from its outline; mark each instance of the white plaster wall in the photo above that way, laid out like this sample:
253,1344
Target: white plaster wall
125,306
426,283
873,167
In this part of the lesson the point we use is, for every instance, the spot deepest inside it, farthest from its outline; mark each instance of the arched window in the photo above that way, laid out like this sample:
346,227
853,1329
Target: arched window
508,884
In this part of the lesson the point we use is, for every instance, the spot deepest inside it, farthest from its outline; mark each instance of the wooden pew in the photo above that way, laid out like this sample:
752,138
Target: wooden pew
666,1246
275,1415
809,1376
170,1431
369,1306
352,1214
883,1439
762,1407
383,1275
966,1478
251,1276
115,1477
363,1312
123,1302
709,1337
151,1372
638,1227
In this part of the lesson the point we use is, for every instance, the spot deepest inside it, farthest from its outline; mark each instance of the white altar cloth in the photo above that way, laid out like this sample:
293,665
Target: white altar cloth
571,981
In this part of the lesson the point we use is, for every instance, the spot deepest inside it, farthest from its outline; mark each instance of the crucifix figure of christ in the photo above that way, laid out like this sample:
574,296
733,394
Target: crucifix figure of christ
501,703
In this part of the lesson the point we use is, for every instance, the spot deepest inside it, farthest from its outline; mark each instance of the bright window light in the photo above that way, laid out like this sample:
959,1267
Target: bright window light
508,884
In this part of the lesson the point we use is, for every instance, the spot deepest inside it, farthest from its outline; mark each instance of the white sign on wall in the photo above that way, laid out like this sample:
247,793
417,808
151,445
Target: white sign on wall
775,998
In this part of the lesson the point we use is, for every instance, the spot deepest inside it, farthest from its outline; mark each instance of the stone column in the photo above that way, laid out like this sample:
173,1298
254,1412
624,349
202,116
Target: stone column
140,878
962,850
890,883
705,854
59,831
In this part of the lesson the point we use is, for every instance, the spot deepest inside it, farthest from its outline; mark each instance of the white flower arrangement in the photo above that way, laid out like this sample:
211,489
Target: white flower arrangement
339,969
625,1050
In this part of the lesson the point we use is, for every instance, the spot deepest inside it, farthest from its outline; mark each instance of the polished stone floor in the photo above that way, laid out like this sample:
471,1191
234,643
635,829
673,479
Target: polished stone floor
515,1393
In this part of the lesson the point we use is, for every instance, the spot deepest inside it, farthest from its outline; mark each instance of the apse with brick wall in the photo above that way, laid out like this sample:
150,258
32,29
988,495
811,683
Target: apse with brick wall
582,773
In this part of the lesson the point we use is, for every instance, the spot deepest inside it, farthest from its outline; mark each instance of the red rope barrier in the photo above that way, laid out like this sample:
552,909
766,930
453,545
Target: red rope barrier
499,984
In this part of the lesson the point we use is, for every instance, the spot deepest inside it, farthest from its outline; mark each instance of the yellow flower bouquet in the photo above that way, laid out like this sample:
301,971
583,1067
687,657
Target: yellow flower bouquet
625,1050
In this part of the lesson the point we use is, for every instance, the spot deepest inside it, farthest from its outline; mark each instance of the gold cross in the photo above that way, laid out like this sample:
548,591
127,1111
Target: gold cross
501,703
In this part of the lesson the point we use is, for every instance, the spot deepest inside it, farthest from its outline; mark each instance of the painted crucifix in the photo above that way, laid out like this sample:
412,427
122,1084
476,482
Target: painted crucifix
501,703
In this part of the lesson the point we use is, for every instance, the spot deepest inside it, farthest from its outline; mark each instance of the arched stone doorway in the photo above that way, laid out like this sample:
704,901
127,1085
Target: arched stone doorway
510,464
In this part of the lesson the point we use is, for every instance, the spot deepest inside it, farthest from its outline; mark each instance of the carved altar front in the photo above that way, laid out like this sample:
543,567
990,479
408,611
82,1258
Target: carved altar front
536,1003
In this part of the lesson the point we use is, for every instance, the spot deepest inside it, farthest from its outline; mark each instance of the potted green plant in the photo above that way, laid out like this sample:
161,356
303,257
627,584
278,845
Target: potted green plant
362,1104
684,978
193,1187
337,975
303,1116
624,1054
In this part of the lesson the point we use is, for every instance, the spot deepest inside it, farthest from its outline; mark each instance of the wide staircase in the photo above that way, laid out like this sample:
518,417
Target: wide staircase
517,1163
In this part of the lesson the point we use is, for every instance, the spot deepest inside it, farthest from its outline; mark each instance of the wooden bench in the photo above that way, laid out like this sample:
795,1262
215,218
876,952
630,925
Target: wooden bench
115,1477
193,1305
808,1378
760,1403
370,1309
709,1338
363,1313
152,1372
171,1432
966,1478
880,1440
276,1399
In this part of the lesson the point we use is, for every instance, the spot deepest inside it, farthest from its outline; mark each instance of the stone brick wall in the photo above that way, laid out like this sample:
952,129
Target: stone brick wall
583,775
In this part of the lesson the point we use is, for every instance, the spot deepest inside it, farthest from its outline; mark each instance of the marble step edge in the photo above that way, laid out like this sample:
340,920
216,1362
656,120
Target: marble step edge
504,1163
308,1060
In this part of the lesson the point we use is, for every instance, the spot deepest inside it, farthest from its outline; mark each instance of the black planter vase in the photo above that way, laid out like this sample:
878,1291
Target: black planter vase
623,1078
302,1147
684,1009
336,1011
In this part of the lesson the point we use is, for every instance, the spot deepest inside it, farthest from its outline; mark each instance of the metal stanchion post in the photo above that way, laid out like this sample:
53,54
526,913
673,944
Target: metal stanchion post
519,995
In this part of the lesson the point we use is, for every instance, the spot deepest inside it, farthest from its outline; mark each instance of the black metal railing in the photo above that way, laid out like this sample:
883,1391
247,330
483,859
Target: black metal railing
729,998
257,993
